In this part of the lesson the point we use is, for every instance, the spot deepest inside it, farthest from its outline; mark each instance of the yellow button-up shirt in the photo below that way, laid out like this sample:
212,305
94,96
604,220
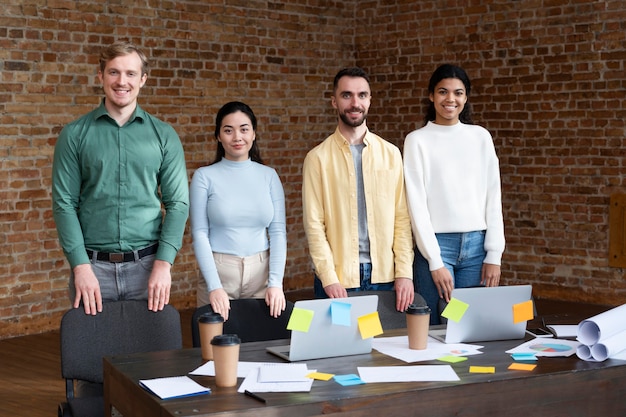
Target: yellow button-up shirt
329,199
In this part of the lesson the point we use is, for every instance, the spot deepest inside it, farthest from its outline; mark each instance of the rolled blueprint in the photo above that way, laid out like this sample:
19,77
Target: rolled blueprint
608,347
602,326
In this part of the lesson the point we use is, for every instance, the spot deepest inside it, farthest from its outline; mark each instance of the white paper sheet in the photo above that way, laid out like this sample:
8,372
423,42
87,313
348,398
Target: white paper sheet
251,383
398,347
407,373
173,387
283,372
243,368
547,347
602,326
563,330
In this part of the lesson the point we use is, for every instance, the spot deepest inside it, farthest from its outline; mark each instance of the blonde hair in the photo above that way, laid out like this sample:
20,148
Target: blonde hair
119,49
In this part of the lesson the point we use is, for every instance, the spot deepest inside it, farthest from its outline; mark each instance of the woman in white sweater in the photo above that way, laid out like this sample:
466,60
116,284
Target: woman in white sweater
453,188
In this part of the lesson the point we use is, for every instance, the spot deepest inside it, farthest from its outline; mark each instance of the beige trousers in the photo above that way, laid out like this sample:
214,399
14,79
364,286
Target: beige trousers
245,277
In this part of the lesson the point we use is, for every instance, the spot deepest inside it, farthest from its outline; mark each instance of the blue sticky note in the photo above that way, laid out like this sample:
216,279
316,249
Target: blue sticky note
349,379
340,313
524,356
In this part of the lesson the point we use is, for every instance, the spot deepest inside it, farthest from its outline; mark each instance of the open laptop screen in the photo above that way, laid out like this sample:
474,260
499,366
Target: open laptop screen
324,339
489,315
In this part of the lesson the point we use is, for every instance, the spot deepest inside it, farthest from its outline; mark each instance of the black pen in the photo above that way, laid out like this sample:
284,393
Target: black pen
253,395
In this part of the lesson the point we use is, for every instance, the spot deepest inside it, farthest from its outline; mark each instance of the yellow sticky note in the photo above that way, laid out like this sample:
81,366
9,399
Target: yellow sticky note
369,325
522,366
482,369
300,320
321,376
523,311
455,310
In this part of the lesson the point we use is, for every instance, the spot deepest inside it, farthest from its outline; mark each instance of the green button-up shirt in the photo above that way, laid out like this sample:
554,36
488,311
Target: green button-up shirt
111,184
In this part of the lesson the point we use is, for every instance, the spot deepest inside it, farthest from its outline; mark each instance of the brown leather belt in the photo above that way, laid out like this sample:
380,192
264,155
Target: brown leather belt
123,256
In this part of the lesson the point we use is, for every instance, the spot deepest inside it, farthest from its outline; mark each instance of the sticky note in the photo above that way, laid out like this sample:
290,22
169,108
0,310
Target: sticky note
340,313
482,369
455,310
349,379
369,325
452,359
300,320
524,356
320,375
522,366
523,311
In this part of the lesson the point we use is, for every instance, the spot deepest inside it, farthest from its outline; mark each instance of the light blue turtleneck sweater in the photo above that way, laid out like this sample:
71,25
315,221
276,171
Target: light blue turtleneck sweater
237,208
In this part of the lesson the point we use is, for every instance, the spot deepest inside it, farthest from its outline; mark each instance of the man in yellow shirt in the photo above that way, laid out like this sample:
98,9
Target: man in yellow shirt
355,212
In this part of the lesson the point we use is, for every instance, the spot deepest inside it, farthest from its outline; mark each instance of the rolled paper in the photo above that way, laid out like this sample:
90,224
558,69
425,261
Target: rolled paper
602,326
584,352
606,348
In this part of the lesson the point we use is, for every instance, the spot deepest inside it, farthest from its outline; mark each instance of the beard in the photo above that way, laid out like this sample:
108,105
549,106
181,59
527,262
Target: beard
352,122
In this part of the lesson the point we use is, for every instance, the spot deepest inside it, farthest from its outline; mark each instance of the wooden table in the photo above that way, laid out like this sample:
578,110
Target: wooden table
557,387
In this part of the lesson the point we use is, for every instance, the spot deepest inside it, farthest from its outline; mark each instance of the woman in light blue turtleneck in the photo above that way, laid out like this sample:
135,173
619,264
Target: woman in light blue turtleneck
237,212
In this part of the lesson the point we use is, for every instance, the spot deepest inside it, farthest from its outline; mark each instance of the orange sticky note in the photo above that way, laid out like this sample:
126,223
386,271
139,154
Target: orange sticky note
482,369
522,366
523,311
369,325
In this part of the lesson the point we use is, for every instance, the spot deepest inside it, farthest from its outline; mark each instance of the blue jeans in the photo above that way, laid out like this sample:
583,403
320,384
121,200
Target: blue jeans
365,271
462,254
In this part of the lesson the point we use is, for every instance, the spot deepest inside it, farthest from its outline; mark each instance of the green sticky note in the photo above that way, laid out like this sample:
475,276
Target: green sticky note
455,310
369,325
300,320
452,359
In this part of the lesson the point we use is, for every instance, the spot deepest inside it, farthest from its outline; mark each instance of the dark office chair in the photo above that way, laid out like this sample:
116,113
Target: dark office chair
390,318
122,327
249,318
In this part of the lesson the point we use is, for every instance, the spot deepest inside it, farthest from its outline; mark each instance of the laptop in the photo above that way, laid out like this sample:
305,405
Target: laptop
325,339
488,317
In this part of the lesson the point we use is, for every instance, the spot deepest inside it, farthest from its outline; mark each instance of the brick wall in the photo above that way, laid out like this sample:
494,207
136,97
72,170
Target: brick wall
279,57
547,82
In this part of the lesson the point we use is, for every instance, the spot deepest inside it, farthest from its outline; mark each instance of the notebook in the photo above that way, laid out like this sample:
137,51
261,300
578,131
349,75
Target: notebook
488,317
325,339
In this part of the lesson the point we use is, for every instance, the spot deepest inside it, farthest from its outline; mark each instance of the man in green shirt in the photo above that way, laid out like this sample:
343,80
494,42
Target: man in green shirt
120,192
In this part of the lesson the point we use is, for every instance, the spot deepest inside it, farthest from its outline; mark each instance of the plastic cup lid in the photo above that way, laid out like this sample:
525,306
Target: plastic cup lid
226,340
417,309
211,318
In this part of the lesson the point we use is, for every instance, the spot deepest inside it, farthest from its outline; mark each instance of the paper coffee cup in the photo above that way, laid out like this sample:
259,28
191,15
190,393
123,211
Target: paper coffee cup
417,321
209,325
225,358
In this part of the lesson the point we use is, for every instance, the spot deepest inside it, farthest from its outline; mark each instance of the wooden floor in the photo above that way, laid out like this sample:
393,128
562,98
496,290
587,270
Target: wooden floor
30,367
30,372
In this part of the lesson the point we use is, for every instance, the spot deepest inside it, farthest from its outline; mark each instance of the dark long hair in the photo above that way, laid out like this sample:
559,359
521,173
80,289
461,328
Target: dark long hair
449,71
229,108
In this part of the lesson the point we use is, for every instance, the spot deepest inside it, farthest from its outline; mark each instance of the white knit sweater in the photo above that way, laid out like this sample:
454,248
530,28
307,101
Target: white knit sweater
452,179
